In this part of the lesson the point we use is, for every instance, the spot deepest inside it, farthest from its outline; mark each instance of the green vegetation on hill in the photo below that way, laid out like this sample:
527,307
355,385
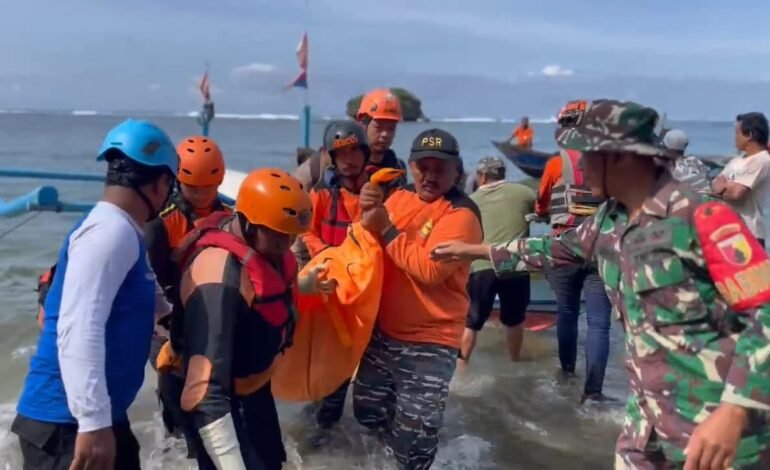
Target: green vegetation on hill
411,106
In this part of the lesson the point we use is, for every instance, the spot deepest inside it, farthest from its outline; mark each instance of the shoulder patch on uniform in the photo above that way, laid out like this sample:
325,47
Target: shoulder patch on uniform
738,264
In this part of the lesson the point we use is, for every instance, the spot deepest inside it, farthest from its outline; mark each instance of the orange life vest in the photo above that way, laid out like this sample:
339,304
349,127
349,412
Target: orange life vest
336,220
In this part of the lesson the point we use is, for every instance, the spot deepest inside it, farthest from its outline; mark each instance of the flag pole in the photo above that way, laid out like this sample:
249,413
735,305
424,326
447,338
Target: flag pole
207,113
305,119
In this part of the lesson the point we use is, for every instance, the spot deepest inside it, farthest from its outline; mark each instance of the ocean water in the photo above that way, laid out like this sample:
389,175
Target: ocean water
499,416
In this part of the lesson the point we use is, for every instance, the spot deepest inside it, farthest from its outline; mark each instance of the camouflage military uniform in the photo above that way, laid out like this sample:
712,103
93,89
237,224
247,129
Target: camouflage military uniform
687,349
691,170
401,389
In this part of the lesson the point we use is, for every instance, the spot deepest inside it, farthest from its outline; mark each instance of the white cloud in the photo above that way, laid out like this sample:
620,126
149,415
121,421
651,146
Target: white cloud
250,70
556,71
153,87
531,29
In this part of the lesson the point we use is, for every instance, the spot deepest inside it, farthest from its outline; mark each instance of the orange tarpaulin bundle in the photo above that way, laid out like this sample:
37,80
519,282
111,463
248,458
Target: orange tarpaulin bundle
332,333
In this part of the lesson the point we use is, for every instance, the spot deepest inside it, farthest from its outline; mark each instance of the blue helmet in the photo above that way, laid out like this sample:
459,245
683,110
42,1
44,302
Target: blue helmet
143,142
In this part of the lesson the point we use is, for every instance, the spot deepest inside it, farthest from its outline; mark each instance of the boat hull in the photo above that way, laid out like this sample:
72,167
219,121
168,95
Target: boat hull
530,162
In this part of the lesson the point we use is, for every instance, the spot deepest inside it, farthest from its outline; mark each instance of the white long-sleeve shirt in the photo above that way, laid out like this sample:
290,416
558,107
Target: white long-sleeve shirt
100,254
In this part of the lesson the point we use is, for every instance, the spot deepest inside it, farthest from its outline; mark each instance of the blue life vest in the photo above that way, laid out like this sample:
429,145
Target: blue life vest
128,332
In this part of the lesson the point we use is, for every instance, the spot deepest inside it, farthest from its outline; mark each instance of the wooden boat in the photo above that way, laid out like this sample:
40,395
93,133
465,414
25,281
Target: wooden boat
530,162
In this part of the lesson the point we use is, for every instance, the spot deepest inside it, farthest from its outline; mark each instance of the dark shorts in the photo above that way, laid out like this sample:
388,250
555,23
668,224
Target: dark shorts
50,446
513,292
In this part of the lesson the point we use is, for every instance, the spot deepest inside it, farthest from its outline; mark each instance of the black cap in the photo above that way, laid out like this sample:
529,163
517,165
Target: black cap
435,143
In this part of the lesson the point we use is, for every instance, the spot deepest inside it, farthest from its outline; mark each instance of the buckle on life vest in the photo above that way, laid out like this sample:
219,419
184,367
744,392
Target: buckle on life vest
738,264
581,202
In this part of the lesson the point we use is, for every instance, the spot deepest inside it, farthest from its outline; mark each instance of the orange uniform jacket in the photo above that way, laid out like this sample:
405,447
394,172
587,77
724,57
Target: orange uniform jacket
524,136
322,199
424,301
551,175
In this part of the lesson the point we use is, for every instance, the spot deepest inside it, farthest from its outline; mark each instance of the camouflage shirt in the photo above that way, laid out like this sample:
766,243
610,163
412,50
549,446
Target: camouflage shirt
687,350
693,171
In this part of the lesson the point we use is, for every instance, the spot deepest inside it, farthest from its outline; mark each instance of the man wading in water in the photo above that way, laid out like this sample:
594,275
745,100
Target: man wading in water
689,282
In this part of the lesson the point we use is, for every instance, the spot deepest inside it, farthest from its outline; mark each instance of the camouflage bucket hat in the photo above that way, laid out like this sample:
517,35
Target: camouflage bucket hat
491,166
610,126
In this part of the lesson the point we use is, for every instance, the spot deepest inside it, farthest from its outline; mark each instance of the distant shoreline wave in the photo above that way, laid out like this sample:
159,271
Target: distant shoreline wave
261,116
291,117
492,120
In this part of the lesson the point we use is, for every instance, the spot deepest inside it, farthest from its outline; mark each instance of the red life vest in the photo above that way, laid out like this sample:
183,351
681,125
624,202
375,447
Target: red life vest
335,221
273,292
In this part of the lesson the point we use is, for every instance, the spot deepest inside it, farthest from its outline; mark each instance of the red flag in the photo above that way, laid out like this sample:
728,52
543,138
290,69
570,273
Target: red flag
302,50
205,86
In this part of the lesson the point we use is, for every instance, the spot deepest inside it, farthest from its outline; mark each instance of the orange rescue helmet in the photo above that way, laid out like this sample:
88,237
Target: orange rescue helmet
380,104
275,199
200,162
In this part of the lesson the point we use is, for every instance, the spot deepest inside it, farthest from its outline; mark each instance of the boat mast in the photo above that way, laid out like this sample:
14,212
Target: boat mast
207,113
305,118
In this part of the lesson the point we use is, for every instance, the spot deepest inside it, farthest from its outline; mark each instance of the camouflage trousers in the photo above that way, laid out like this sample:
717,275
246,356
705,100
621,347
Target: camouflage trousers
653,457
401,388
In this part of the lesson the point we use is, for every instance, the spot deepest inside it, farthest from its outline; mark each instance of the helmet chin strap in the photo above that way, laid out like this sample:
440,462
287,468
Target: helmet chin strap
248,230
151,211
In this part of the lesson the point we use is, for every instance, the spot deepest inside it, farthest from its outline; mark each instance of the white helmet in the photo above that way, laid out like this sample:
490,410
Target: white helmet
675,140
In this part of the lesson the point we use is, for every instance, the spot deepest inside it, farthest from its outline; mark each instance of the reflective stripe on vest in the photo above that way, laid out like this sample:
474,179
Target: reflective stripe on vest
570,191
335,221
273,292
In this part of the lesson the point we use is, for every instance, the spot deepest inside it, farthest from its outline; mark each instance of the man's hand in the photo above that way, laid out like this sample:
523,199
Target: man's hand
537,218
315,281
94,450
376,220
719,184
371,196
714,442
458,251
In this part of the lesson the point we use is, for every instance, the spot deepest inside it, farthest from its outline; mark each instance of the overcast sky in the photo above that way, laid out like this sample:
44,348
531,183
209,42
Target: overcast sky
147,54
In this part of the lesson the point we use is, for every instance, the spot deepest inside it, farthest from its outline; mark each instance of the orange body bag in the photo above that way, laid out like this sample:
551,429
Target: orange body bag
332,332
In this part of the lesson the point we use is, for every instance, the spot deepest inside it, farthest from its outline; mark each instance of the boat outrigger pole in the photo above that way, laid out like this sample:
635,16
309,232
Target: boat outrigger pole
43,198
46,198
